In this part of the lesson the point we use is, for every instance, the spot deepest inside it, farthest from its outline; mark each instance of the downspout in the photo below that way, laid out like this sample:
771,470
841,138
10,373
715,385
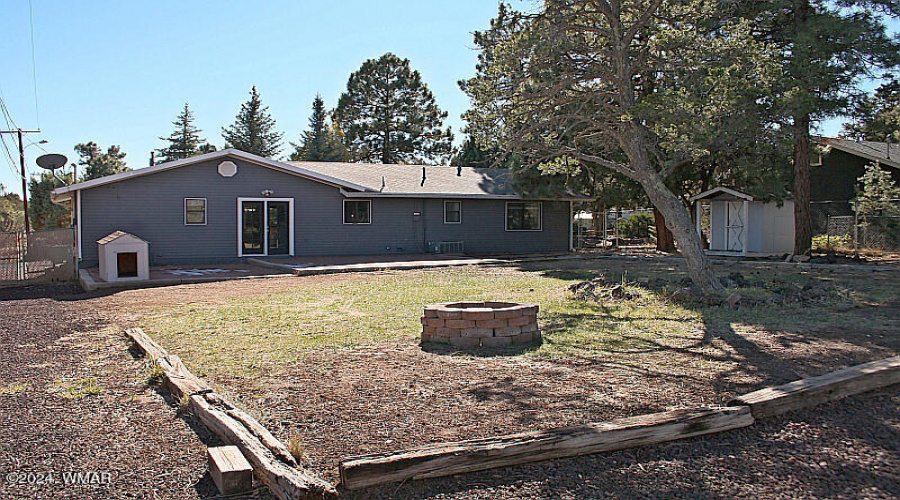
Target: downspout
571,225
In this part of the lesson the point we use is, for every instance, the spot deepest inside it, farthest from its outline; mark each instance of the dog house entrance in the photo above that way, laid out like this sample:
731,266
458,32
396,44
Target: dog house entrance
127,264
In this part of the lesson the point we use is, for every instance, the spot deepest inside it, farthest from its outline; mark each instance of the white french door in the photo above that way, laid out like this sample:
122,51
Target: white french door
265,226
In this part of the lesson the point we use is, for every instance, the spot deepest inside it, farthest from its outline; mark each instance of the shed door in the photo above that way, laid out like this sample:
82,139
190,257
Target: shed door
734,229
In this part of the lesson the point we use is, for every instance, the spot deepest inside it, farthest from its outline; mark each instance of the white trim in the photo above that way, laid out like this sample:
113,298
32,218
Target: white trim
59,193
460,211
721,189
698,211
540,219
746,214
240,226
78,220
344,214
205,212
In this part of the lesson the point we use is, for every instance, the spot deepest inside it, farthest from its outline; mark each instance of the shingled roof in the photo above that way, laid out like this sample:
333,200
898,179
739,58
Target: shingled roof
422,180
354,179
884,152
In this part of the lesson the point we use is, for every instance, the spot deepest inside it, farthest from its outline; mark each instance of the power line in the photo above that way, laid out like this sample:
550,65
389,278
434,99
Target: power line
37,114
9,124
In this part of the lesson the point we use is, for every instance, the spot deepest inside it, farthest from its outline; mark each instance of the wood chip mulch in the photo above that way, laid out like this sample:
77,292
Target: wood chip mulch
125,442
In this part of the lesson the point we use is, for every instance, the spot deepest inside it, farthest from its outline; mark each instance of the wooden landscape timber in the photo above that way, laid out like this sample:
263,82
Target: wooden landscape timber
479,454
285,479
829,387
272,462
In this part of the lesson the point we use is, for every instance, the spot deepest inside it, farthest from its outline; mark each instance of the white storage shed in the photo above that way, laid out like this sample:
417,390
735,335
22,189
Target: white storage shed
123,257
744,226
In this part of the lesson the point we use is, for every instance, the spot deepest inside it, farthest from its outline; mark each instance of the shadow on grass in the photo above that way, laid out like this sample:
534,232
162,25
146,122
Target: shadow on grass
780,343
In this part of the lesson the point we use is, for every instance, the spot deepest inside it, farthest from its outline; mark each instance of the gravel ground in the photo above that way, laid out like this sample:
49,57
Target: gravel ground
140,445
845,449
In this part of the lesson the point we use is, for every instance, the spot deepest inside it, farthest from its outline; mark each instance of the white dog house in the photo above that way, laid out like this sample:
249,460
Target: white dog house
742,225
123,256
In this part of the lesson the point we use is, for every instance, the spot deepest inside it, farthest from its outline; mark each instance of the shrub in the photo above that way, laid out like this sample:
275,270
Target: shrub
637,226
824,243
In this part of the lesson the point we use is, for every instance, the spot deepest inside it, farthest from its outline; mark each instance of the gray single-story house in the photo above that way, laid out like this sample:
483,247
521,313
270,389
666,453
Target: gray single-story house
229,205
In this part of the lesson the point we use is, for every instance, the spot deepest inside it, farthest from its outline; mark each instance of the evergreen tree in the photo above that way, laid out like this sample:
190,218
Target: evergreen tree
877,188
472,155
11,215
389,115
253,130
877,117
319,143
43,213
98,164
826,47
584,88
185,140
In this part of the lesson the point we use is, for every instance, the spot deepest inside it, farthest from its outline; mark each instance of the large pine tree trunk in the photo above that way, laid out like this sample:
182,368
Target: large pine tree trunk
677,217
802,222
665,240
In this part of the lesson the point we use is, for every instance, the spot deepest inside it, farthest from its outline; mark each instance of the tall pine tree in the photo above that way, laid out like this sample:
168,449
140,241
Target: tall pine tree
320,142
253,130
877,117
43,213
98,164
185,140
389,115
827,47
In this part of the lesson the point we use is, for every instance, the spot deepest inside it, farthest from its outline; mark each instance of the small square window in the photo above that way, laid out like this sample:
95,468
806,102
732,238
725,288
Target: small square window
523,216
195,211
452,212
357,212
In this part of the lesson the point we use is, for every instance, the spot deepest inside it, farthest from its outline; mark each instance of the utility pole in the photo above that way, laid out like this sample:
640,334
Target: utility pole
20,133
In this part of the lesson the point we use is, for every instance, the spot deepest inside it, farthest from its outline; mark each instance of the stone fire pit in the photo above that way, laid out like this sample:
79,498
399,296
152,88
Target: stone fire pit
486,324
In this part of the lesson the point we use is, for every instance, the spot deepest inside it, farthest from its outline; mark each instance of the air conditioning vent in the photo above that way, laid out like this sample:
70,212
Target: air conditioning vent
447,247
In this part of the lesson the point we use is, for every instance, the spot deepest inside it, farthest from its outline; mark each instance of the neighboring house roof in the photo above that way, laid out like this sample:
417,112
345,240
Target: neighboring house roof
116,235
719,191
883,152
354,179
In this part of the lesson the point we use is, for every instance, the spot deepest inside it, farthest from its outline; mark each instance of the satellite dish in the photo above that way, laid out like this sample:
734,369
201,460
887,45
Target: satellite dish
52,161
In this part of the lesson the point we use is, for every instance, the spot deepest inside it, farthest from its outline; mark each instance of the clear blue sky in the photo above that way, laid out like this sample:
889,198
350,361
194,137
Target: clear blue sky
118,72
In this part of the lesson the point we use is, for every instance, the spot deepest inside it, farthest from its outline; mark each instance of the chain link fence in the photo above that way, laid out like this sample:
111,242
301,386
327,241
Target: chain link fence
37,257
857,226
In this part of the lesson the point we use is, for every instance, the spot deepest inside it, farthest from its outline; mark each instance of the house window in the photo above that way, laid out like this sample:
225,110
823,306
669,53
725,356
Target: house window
523,216
357,212
195,211
452,212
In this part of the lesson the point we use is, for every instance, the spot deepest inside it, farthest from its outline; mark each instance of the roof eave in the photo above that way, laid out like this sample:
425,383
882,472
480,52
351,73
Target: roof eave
242,155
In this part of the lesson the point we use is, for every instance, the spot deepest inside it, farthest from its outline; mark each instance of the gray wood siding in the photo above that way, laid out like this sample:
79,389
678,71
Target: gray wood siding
483,227
152,207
